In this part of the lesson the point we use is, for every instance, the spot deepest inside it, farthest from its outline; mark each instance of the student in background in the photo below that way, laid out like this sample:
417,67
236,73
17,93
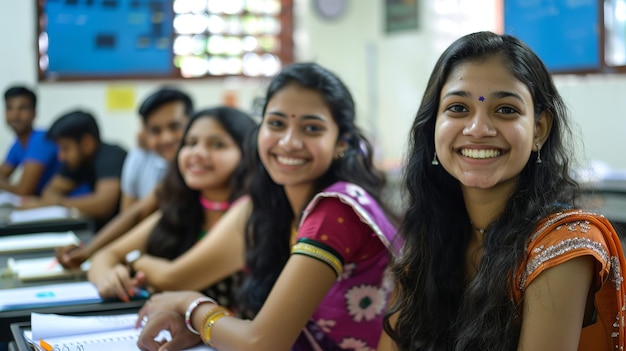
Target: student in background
142,171
167,249
164,114
496,255
31,150
313,236
85,160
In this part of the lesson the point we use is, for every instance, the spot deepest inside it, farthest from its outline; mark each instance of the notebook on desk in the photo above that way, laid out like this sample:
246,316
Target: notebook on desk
48,295
88,333
47,213
44,268
37,241
8,199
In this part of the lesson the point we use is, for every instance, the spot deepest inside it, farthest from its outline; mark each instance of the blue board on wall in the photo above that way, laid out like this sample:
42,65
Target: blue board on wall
91,38
564,33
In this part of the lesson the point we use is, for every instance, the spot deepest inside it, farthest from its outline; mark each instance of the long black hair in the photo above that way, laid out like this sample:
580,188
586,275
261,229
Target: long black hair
269,226
182,214
437,308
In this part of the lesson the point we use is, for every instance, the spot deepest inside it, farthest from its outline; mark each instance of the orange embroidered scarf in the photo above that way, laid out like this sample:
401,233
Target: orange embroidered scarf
569,234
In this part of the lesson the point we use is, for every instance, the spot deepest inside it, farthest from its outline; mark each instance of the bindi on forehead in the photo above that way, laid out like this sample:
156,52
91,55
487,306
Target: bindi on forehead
293,115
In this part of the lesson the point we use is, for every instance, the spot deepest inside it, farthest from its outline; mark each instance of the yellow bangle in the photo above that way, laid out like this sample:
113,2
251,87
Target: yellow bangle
209,321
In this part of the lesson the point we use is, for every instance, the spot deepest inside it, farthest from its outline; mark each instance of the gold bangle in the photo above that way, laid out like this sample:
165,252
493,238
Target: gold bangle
209,321
206,317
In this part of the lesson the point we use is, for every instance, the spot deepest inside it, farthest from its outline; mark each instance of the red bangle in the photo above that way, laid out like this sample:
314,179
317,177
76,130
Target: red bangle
192,306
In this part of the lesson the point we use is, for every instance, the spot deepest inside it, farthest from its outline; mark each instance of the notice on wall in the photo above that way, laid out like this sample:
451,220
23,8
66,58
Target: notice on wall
120,98
400,15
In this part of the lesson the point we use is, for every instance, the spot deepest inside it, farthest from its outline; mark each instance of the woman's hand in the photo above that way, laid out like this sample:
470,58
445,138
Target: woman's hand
171,321
171,301
166,311
71,256
117,282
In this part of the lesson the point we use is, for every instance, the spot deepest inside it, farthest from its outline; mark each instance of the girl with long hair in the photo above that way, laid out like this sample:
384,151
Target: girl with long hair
166,250
313,236
496,255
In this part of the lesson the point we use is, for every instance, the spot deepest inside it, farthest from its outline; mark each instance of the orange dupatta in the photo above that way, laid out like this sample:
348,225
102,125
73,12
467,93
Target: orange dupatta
575,233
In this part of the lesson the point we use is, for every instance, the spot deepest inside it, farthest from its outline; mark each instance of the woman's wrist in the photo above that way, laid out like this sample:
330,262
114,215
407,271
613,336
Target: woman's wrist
183,304
209,320
191,308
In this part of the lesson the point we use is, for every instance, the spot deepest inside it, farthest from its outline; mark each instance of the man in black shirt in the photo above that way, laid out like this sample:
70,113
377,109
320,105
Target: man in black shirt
86,161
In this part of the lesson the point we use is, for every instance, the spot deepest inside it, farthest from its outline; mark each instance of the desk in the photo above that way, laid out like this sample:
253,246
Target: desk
7,281
17,330
19,343
108,306
73,221
8,318
23,315
51,226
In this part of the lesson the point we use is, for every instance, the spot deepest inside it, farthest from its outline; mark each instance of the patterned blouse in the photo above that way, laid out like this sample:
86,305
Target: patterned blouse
345,228
570,234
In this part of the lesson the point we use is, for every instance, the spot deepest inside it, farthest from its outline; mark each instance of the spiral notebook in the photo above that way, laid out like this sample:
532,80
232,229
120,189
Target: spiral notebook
88,333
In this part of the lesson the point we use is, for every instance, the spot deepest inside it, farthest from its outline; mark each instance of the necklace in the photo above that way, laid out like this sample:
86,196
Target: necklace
480,230
214,205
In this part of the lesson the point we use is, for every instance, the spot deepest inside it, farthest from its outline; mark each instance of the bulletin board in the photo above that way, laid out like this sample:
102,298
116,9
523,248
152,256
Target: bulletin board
564,33
108,38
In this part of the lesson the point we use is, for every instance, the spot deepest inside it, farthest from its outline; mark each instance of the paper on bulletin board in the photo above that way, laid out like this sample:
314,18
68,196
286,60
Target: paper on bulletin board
120,98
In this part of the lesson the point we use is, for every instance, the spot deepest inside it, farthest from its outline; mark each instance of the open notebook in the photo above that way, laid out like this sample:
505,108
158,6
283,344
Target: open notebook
88,333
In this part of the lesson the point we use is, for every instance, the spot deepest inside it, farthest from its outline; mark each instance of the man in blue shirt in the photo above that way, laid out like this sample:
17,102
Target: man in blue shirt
31,150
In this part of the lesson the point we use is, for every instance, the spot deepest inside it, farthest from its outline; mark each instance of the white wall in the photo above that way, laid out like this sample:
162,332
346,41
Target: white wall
386,73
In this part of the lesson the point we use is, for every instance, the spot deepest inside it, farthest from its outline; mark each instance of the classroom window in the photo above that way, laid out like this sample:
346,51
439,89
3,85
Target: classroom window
615,26
571,36
113,39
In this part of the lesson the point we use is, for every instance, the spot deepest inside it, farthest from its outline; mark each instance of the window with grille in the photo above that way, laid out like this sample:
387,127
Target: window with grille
113,39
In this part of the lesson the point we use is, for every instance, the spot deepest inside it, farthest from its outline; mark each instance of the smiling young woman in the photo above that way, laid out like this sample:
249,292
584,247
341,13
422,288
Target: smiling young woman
317,239
496,255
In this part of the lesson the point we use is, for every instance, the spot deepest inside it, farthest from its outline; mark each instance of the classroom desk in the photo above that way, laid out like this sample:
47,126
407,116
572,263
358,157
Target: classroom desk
19,343
57,225
8,318
7,281
23,315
